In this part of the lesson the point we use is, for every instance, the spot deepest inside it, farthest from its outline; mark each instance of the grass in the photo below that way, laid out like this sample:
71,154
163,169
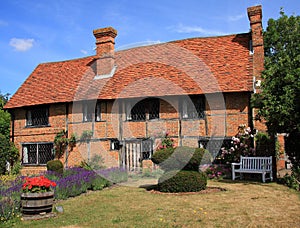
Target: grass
244,204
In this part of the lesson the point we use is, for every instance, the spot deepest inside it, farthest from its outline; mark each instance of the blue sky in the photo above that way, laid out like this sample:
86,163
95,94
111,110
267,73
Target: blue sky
34,31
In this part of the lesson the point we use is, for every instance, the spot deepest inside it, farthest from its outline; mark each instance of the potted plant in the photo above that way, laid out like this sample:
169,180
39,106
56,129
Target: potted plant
37,196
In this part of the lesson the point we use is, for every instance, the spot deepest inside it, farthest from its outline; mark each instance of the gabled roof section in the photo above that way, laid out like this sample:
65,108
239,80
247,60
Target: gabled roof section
51,83
190,66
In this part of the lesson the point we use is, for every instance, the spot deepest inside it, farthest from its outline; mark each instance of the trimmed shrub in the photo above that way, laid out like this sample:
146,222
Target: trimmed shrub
178,158
182,181
55,165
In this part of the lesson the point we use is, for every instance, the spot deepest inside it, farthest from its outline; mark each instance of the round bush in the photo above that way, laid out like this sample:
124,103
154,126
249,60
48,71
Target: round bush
182,181
55,165
178,158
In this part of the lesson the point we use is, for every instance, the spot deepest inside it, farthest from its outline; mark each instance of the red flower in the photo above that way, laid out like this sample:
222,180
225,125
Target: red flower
37,184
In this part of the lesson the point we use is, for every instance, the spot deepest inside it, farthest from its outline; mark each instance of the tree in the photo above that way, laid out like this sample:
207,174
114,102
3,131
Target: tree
8,152
279,100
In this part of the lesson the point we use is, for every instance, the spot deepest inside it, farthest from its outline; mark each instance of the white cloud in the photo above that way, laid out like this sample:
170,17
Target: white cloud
236,17
196,29
21,44
84,52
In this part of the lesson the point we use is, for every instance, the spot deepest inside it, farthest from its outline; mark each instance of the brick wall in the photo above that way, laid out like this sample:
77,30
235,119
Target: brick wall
217,122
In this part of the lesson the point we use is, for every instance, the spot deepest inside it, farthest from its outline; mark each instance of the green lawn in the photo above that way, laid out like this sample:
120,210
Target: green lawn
244,204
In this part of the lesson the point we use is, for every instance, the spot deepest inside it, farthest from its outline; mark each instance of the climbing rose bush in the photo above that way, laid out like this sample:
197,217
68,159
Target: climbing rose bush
241,144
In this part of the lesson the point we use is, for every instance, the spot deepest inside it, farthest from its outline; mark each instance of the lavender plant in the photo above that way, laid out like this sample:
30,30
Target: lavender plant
10,199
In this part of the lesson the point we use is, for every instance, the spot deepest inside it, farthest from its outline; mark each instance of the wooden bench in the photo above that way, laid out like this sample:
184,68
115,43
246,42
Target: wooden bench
261,165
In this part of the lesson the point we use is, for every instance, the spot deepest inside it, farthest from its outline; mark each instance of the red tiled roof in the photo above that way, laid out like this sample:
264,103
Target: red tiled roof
190,66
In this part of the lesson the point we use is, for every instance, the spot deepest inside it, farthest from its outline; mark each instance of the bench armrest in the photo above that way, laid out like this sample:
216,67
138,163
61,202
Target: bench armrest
234,164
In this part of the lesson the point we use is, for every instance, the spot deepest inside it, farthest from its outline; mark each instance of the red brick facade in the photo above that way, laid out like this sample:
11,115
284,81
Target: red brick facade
219,70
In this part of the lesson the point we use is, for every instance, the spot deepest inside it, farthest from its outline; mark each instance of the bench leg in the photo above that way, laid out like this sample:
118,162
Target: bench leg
264,177
233,175
241,176
271,175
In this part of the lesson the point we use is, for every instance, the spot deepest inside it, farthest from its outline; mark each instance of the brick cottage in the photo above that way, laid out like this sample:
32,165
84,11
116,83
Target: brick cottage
197,89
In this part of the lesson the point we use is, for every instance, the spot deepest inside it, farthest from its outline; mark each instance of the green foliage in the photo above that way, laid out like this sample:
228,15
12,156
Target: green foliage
279,100
86,136
62,142
9,153
3,99
116,175
99,183
4,123
178,158
96,163
293,180
16,168
55,165
292,145
182,181
207,158
166,142
264,145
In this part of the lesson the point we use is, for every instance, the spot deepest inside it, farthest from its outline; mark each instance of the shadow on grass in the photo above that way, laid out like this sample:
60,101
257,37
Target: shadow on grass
149,187
244,181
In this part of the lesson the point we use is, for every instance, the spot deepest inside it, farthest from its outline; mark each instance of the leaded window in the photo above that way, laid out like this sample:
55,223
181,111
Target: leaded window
147,149
92,109
38,116
140,110
193,107
37,153
88,111
153,109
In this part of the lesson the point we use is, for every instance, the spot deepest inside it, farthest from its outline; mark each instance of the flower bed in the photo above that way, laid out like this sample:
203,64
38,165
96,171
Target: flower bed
72,182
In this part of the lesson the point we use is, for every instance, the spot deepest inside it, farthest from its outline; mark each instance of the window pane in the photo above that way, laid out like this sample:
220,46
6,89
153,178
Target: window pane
138,111
193,108
45,153
88,111
37,117
32,154
98,111
153,109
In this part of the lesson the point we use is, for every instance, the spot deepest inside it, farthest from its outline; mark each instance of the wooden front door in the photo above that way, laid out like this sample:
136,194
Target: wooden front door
134,152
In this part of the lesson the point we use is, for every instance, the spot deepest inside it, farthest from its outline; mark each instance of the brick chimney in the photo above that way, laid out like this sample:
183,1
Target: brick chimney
105,45
105,41
255,18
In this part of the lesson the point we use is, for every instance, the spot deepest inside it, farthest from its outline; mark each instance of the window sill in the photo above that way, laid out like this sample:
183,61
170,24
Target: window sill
202,118
38,126
135,121
34,165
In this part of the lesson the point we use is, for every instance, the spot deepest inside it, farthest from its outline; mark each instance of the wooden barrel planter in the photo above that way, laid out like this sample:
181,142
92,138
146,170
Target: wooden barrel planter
36,203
